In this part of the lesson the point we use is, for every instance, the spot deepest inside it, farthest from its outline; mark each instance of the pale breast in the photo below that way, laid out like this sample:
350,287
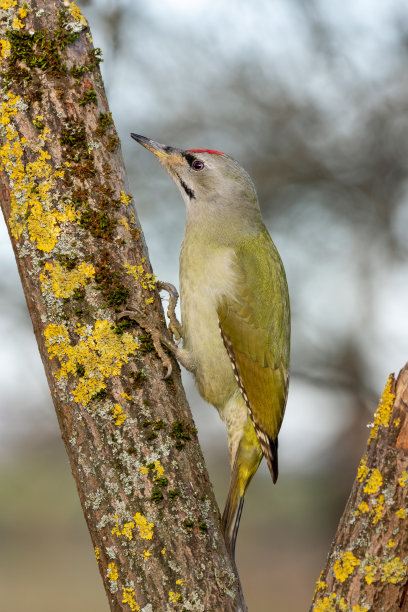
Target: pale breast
207,275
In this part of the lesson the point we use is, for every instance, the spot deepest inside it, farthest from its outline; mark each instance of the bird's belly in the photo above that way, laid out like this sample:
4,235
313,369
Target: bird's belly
199,295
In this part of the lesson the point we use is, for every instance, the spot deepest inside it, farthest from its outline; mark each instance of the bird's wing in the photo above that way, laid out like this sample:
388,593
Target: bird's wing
255,326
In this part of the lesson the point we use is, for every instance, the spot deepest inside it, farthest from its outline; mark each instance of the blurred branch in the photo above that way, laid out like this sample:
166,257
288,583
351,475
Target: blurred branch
367,563
81,256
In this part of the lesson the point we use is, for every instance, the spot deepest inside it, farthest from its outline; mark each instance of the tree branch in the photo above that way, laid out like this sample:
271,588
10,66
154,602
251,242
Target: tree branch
82,259
367,563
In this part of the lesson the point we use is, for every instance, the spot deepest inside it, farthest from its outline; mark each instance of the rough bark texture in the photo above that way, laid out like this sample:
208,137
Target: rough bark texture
367,564
81,255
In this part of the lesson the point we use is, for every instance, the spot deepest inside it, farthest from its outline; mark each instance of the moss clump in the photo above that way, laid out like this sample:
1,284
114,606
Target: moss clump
146,344
80,369
88,98
66,261
73,137
137,378
78,294
173,494
118,296
121,326
104,121
99,223
156,495
181,432
159,424
188,524
203,526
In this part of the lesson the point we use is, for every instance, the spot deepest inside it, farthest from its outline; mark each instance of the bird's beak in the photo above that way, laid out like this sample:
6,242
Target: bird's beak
161,151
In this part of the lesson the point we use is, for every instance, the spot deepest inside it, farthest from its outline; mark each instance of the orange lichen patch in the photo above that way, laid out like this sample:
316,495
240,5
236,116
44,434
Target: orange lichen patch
129,598
32,184
345,566
98,355
63,282
382,415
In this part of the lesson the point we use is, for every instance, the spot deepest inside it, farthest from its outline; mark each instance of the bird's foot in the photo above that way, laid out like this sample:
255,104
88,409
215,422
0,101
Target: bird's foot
174,326
157,337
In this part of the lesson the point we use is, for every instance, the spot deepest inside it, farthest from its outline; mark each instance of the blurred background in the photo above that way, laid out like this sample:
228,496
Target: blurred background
311,97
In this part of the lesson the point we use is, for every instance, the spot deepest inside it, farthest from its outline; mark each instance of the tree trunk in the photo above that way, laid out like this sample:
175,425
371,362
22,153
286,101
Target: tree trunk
82,258
367,563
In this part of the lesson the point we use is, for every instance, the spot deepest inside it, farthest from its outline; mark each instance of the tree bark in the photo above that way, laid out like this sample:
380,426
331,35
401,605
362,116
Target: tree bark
81,255
367,563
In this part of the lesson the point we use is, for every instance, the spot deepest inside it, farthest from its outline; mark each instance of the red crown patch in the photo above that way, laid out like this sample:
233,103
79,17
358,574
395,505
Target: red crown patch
211,151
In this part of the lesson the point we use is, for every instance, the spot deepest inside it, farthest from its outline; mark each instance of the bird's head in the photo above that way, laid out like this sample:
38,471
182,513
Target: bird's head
209,181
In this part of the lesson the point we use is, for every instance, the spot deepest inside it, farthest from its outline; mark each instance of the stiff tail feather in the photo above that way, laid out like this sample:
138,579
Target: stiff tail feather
245,465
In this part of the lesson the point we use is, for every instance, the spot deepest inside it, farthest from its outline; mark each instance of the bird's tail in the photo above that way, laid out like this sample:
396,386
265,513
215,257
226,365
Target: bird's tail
247,460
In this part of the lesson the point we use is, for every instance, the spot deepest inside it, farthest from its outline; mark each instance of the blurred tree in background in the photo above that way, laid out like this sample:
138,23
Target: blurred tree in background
311,98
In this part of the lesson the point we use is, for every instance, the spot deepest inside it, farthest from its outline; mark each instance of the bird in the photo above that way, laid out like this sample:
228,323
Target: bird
235,311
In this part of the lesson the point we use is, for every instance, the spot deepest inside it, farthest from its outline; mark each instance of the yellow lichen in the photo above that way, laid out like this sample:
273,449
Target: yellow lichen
63,282
175,597
118,415
123,221
369,573
31,184
97,554
22,12
147,553
146,279
125,198
374,482
401,513
378,509
159,469
363,507
359,608
362,470
98,355
5,47
75,11
383,413
327,604
163,551
344,566
6,4
129,598
393,571
145,528
125,396
143,469
391,543
127,530
320,585
112,572
403,479
180,582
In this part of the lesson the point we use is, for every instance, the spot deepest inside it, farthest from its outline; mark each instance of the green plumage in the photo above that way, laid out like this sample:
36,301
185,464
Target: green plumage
235,311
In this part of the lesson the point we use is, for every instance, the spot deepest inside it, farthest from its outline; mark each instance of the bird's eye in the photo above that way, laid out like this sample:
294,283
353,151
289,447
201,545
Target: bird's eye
197,164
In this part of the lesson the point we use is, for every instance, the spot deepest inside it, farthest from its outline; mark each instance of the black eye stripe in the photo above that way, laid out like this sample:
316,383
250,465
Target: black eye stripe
186,188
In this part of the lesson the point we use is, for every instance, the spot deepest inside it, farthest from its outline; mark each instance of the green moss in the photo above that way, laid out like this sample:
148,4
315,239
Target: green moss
137,378
203,526
159,424
146,424
78,294
146,344
181,432
66,261
123,325
151,436
173,494
188,524
99,223
118,296
95,56
161,482
102,394
40,125
88,98
80,369
112,144
156,495
73,136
